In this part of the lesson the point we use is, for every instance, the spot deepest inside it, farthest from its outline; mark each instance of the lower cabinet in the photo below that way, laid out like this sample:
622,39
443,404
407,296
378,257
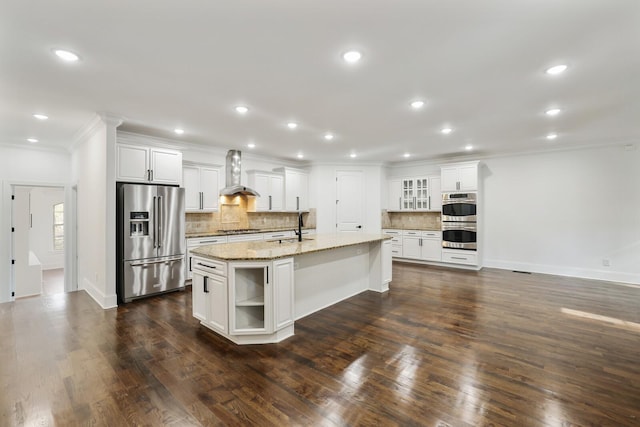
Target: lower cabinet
247,302
422,245
196,242
209,293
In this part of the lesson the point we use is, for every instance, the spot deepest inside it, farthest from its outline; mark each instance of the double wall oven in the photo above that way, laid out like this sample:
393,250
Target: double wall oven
459,221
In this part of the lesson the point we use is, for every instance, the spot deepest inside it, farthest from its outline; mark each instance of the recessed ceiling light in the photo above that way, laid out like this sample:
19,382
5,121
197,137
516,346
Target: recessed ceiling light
446,131
300,155
552,136
179,131
352,56
353,155
40,116
406,155
552,112
32,140
328,136
417,104
251,145
556,69
292,125
66,55
468,147
241,109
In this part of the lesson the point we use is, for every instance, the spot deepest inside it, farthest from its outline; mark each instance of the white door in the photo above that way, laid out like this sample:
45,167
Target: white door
349,201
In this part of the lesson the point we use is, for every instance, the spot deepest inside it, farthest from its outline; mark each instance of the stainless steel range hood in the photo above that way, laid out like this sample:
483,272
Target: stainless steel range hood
233,172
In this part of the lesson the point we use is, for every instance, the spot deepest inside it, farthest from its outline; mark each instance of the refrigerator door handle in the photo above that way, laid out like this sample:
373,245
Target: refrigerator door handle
155,222
160,221
142,264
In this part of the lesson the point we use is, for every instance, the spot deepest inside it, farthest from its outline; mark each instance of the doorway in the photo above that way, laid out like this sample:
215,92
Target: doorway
349,201
38,240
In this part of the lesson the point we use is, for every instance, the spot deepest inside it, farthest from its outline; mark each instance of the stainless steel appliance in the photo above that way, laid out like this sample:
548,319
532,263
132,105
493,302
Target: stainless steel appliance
233,172
459,207
459,221
151,242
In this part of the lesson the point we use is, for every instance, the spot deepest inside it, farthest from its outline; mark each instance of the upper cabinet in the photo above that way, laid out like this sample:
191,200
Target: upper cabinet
460,177
296,189
270,186
415,194
201,184
146,164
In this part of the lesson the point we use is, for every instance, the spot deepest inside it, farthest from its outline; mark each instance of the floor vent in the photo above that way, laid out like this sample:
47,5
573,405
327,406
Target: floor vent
521,272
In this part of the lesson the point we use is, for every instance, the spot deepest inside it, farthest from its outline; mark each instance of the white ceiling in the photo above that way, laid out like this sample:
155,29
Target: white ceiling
479,65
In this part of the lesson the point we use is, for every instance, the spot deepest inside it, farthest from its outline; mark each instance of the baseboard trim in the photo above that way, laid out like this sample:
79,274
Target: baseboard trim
104,301
582,273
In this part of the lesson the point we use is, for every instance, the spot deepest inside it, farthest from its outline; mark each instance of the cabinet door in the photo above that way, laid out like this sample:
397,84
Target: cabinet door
283,285
132,163
277,193
435,194
432,249
411,247
199,297
303,192
449,177
218,315
166,166
291,190
191,183
408,194
209,179
395,195
468,176
422,194
387,265
261,185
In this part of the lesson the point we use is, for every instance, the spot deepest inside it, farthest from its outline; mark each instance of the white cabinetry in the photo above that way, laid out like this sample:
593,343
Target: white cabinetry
415,194
146,164
395,195
193,243
247,302
209,293
422,245
201,184
459,257
245,237
296,189
270,186
460,177
396,242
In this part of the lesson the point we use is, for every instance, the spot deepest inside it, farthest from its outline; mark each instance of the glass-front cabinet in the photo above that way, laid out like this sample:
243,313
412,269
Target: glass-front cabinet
415,194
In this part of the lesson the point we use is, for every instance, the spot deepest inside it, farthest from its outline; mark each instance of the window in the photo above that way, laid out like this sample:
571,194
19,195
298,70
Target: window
58,227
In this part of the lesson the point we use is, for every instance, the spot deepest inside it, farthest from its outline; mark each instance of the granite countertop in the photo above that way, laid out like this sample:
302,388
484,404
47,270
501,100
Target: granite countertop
255,231
268,250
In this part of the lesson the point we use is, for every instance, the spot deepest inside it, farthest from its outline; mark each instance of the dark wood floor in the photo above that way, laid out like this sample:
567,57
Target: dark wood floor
442,348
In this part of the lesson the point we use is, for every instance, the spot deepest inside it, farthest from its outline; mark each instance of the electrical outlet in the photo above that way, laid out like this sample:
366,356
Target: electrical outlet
606,263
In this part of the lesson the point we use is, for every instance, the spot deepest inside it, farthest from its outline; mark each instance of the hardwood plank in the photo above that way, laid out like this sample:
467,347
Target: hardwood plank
442,348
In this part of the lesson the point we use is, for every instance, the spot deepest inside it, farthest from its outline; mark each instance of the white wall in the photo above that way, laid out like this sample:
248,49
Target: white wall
322,193
26,166
89,158
41,234
564,212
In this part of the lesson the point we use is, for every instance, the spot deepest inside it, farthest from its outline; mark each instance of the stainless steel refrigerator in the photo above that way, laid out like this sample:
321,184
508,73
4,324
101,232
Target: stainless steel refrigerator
151,242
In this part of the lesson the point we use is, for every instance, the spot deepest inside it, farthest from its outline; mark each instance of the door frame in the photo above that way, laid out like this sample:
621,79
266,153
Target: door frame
70,233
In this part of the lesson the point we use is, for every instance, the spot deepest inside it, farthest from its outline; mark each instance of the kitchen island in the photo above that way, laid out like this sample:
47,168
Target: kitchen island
252,292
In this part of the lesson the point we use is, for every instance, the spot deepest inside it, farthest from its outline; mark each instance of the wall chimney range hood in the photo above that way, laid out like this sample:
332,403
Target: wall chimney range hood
233,173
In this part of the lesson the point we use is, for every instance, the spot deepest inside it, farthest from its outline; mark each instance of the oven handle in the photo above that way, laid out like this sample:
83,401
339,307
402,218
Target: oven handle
457,227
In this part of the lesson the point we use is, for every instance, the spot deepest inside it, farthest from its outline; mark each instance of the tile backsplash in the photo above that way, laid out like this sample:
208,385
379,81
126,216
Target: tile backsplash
411,220
233,215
